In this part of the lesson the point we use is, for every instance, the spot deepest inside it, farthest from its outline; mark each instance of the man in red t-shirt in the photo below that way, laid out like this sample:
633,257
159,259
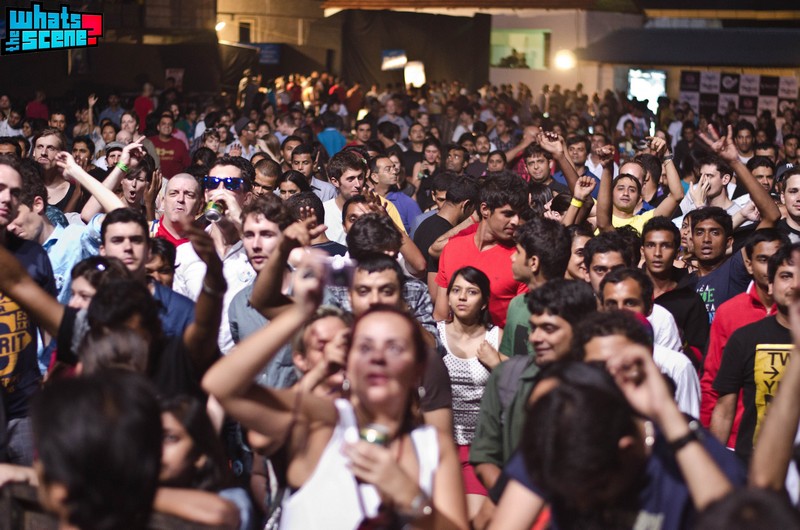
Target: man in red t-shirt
489,248
182,200
144,105
172,152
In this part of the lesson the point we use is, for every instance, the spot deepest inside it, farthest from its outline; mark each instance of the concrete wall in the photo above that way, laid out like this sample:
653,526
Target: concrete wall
299,23
569,29
179,14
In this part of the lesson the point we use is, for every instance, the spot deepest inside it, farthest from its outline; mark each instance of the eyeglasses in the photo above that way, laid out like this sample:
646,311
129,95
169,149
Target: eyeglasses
231,183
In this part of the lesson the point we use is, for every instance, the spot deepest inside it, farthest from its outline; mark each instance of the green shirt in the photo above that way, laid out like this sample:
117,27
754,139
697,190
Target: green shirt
518,328
498,431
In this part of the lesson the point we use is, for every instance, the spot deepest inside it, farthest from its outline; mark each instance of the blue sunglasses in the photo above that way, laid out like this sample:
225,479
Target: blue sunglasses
231,183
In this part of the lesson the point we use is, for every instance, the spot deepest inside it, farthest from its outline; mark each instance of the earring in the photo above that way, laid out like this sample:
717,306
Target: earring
346,385
421,392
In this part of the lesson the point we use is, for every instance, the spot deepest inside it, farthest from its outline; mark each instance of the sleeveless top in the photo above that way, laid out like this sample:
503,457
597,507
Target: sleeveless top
329,498
65,200
467,380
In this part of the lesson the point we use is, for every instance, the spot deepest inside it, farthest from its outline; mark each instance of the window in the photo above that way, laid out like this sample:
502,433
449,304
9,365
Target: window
244,32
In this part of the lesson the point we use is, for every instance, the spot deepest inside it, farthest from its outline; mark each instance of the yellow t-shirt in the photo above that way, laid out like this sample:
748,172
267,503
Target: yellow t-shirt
637,221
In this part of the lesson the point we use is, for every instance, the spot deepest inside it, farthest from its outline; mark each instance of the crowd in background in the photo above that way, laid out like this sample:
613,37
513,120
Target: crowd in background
317,305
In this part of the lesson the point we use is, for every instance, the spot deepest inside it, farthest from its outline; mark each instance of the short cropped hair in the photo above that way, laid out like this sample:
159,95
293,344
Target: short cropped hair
124,215
271,207
549,241
621,274
571,300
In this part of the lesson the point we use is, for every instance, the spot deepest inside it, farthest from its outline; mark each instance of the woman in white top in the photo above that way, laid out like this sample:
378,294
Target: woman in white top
470,342
339,481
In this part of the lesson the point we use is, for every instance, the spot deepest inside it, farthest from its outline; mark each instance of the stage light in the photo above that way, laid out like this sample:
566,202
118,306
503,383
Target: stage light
565,60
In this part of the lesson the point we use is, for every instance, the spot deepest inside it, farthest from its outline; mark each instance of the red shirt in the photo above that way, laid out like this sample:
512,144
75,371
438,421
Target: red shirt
163,232
37,110
173,155
741,310
143,106
495,262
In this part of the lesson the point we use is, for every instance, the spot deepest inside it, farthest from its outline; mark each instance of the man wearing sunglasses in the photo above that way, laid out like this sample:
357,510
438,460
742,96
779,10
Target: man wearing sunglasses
228,183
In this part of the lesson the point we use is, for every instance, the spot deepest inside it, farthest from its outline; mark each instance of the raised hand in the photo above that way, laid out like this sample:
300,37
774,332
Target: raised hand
584,188
551,142
657,145
92,100
606,155
307,282
301,233
202,244
374,204
133,149
236,150
67,163
153,187
751,213
721,145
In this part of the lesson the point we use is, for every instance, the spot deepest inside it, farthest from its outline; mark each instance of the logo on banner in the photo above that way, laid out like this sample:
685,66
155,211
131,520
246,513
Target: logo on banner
690,81
36,29
730,83
768,86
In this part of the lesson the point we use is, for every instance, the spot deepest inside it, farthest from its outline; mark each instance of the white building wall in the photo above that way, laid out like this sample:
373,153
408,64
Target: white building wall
569,29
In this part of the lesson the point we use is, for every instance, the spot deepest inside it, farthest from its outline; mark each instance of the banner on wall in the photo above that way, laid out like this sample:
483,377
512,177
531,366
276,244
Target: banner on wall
709,92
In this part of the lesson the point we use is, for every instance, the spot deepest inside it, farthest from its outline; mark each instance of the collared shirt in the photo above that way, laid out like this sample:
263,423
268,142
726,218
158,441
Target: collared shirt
64,249
324,190
500,428
415,293
243,321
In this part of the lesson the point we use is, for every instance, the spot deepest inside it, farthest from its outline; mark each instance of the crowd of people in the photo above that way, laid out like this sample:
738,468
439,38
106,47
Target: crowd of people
315,306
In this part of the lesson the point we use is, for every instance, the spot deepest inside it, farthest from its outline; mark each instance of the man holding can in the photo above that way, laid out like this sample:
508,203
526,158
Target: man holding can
225,187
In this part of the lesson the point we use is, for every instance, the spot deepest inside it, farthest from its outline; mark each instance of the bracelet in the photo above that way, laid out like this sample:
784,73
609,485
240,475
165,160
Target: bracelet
694,435
211,292
122,167
577,203
668,157
421,506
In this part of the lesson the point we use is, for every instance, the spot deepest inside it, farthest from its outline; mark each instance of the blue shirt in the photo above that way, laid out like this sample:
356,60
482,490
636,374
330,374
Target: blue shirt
324,190
64,249
406,207
332,139
176,313
418,220
245,320
559,177
662,493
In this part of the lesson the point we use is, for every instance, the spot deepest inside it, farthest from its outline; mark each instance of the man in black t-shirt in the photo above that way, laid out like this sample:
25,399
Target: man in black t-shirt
660,242
718,278
462,195
19,369
755,359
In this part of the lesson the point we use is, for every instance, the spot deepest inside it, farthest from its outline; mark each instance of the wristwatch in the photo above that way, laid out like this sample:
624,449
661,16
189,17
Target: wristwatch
695,434
420,506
